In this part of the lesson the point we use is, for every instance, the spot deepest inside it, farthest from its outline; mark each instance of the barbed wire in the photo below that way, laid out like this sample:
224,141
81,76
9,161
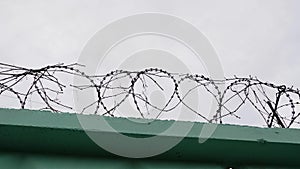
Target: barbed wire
276,104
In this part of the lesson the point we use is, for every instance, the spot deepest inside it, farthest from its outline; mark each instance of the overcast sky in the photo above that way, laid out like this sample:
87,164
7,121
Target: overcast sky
252,37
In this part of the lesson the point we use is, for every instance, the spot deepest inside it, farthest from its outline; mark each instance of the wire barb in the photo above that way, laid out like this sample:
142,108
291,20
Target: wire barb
120,86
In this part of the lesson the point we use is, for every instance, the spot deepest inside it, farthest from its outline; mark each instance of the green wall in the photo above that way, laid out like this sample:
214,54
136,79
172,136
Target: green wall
41,139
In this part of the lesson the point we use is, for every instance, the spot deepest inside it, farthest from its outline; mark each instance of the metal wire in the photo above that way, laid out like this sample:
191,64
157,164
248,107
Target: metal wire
276,104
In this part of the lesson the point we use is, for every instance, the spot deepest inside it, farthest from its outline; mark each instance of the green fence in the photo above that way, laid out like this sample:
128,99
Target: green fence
44,140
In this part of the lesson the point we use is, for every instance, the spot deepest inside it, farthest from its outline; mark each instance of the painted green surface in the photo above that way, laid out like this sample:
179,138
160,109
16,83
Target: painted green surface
62,162
41,139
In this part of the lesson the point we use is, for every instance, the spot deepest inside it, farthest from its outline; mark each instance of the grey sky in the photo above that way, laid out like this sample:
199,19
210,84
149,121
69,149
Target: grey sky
257,37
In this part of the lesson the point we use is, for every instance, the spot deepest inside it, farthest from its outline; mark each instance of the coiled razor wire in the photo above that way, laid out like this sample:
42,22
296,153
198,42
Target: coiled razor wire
276,104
